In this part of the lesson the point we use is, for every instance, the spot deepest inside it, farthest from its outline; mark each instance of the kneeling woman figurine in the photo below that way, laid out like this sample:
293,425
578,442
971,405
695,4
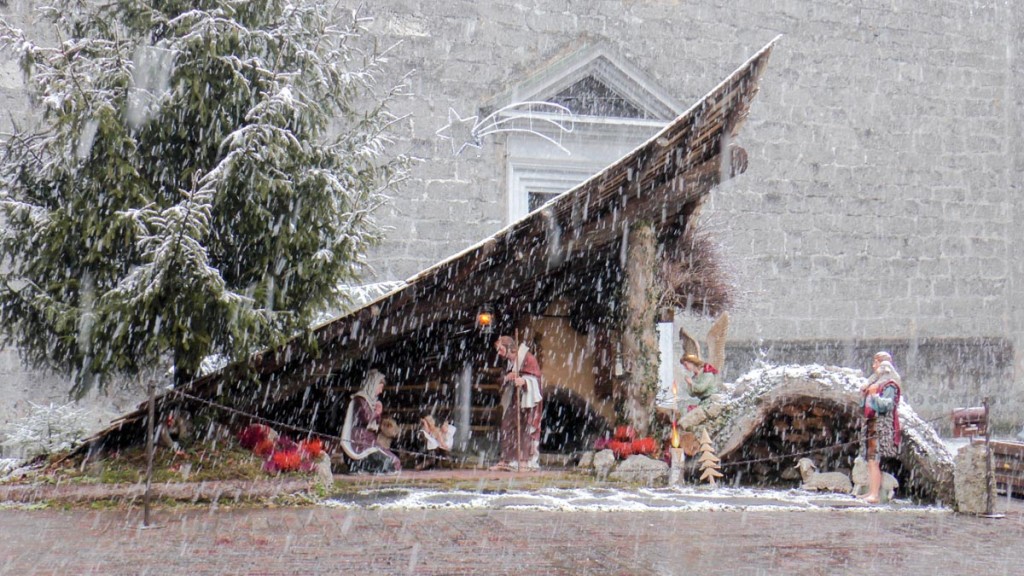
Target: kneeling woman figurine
359,433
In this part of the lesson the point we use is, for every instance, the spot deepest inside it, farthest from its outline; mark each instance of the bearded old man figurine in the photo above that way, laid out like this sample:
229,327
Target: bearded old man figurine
522,407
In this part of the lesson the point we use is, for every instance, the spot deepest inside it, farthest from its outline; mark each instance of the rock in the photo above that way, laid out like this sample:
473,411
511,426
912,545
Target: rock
603,462
973,495
738,389
586,460
323,470
789,473
641,470
715,406
693,418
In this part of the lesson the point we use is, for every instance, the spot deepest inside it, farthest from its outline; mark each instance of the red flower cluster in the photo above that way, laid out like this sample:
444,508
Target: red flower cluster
281,454
285,461
313,447
264,447
625,443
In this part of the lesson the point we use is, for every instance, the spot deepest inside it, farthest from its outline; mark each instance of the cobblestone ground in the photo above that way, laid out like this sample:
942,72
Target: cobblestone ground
324,540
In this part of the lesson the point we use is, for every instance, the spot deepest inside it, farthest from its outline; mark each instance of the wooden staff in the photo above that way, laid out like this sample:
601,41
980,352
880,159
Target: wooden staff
520,358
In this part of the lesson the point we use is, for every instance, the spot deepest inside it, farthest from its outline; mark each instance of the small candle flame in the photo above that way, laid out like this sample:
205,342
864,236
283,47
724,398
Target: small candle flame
675,436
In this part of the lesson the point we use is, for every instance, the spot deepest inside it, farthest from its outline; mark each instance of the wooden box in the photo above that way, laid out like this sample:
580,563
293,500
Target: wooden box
969,422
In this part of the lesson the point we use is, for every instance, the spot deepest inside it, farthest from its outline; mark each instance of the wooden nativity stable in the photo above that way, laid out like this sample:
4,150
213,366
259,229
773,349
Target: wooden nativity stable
583,280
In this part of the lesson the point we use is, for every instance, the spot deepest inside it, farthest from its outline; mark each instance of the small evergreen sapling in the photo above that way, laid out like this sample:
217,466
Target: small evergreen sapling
47,429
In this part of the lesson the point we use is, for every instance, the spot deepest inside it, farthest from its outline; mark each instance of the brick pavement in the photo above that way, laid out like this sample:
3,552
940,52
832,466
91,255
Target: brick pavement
322,540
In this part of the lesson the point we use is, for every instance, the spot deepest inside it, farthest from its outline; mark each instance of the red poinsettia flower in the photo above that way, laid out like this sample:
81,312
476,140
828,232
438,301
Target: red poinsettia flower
312,447
263,447
287,461
621,448
644,445
625,433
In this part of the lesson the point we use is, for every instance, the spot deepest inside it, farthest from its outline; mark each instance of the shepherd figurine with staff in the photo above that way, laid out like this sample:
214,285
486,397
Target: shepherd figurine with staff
522,406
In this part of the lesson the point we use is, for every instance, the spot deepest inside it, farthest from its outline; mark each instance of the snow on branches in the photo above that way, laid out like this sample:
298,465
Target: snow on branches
47,430
205,177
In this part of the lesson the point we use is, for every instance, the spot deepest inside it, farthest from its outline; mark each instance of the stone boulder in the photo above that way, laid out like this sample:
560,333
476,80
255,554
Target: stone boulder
586,460
322,466
692,419
603,462
973,494
640,469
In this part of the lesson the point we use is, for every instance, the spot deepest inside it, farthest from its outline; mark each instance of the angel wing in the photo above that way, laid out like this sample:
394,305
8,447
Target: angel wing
690,344
716,341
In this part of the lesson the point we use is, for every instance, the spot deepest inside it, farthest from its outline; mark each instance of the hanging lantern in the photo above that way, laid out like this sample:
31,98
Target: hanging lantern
484,319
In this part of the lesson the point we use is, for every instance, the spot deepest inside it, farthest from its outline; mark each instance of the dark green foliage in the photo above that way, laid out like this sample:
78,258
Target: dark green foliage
204,179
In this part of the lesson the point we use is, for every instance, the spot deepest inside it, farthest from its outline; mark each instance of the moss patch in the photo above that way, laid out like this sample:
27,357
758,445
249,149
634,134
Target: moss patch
201,464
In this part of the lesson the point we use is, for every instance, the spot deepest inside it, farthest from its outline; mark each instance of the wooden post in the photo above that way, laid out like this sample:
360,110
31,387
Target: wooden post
150,449
641,294
988,464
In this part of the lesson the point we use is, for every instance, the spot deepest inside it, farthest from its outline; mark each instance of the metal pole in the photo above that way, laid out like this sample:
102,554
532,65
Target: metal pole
150,449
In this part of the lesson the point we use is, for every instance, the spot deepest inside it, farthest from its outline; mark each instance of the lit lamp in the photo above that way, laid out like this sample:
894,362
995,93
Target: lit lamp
484,319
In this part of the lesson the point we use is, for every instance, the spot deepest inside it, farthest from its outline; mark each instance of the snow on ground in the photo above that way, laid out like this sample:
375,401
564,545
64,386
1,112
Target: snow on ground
677,499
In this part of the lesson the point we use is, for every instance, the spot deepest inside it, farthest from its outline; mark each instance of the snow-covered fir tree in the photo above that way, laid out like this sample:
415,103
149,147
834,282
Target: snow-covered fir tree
203,181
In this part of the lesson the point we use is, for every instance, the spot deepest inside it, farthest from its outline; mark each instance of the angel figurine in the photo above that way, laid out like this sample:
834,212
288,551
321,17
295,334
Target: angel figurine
701,376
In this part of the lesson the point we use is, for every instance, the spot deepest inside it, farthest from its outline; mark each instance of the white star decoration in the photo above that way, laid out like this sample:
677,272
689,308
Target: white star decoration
522,117
461,132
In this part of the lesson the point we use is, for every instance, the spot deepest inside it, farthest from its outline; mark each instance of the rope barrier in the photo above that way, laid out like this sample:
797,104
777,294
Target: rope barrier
307,431
311,432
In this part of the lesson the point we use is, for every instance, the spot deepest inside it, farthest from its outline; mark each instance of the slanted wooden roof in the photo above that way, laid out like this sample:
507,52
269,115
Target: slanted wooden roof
572,243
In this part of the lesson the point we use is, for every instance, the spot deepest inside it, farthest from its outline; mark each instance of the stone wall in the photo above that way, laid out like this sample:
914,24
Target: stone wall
884,153
1014,96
